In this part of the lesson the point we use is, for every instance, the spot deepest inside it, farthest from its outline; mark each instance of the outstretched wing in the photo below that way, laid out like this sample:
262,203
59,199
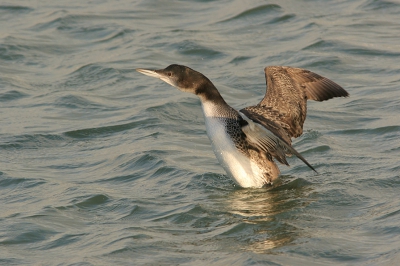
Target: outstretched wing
288,90
265,138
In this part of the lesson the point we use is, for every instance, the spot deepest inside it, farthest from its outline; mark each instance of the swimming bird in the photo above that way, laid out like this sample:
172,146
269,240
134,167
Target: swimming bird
246,142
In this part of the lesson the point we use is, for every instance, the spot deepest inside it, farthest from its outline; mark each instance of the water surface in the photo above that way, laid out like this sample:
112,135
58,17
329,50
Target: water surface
100,165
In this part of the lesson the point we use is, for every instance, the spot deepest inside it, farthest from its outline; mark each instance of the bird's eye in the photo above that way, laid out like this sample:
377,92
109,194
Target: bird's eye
169,74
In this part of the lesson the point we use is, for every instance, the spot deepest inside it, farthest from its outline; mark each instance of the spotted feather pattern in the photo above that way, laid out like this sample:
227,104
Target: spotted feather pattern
233,128
288,90
257,134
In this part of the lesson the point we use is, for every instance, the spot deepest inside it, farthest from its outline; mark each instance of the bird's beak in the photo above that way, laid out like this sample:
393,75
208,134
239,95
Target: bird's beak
160,74
149,72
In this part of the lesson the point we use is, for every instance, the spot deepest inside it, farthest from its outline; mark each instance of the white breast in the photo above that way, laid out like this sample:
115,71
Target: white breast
239,167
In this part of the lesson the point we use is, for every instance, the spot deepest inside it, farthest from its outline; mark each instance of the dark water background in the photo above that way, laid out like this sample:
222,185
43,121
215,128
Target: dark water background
100,165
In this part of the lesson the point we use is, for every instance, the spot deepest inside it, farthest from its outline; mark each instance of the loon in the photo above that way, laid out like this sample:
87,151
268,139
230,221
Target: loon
247,141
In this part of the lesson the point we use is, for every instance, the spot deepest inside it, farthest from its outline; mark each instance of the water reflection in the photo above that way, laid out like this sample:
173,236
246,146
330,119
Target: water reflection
267,215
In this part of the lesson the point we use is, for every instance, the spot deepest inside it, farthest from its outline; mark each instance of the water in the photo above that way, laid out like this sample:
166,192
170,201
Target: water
100,165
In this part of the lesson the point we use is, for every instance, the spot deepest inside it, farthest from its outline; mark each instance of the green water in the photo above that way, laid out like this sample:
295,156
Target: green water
100,165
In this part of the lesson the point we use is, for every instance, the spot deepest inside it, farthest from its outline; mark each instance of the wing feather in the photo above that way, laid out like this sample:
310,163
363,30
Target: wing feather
288,90
268,142
281,114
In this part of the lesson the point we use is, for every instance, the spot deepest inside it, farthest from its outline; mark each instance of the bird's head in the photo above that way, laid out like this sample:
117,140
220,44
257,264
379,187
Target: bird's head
181,77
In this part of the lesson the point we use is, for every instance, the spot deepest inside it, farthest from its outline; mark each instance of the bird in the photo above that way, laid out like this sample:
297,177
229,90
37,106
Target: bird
249,141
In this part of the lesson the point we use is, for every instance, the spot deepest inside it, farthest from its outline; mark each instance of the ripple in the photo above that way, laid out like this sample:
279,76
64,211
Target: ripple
134,210
240,59
11,8
19,48
79,27
283,18
96,163
32,141
91,74
137,166
27,233
120,34
320,149
20,183
212,181
369,131
77,102
63,240
389,214
92,201
166,171
319,44
181,112
190,48
380,5
14,9
255,11
349,48
12,95
179,215
310,135
147,161
11,52
298,183
238,230
108,130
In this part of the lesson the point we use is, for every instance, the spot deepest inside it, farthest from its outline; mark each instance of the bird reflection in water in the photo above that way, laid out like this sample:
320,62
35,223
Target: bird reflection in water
270,214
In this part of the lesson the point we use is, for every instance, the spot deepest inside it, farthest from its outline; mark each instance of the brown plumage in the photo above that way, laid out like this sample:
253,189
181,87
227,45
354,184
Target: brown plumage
285,102
247,142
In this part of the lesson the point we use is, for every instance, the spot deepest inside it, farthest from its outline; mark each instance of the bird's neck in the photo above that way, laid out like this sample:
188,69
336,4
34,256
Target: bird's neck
207,92
212,102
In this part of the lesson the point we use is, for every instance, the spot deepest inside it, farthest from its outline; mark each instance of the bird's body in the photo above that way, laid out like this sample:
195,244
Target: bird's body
245,142
224,129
